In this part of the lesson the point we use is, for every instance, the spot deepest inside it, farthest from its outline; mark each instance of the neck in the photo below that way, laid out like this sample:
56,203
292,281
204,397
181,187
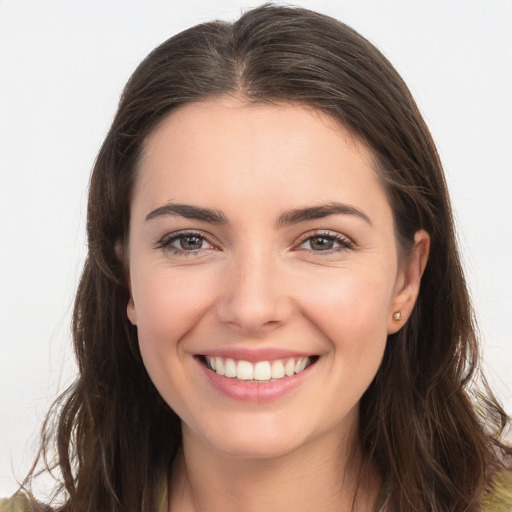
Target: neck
314,478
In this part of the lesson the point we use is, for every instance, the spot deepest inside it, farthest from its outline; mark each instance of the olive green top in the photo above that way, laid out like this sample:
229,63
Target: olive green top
498,498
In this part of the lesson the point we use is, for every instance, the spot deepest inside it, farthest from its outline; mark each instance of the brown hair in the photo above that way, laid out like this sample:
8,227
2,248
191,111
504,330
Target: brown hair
435,448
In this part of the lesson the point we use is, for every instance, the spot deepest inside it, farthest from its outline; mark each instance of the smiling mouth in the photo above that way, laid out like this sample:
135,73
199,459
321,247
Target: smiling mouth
260,371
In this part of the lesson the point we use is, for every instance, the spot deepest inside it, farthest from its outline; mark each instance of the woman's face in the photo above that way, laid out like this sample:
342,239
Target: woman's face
263,273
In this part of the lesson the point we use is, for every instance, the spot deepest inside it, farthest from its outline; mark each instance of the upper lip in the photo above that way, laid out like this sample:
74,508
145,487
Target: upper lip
254,355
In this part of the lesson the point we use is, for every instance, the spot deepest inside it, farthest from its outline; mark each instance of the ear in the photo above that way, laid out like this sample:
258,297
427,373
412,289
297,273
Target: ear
130,307
130,311
408,283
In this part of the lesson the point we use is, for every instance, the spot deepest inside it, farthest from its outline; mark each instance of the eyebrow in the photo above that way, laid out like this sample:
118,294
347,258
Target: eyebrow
189,212
319,212
287,218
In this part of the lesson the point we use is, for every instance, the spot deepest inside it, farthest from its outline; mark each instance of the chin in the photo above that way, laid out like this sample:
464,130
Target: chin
251,439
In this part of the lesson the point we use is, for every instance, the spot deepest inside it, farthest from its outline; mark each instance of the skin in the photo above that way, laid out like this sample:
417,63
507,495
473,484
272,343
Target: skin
254,284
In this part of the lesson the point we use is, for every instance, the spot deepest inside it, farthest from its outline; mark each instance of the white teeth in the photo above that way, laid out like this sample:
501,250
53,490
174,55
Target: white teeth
277,370
289,368
259,371
230,368
301,364
219,366
262,371
244,370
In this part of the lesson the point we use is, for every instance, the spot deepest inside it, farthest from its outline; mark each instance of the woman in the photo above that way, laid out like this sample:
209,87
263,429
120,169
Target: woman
272,314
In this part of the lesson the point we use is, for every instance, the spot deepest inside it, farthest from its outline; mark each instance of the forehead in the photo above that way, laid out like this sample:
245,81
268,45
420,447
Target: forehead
226,148
226,116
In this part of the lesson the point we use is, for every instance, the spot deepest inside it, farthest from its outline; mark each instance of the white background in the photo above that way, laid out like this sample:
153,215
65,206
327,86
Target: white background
63,64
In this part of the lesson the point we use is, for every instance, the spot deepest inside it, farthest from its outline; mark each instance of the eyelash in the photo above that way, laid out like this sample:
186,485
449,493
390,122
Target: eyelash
165,244
344,242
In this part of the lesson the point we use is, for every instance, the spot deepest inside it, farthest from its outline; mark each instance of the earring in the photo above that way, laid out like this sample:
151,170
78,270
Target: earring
397,316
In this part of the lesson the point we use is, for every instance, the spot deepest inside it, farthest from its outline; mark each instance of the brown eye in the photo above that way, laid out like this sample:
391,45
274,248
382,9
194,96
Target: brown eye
321,243
190,243
326,242
184,244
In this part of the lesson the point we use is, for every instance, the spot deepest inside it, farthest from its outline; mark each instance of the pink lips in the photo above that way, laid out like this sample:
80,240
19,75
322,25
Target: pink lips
264,391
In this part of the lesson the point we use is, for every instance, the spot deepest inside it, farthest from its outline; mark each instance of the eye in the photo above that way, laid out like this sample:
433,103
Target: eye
325,242
189,242
184,243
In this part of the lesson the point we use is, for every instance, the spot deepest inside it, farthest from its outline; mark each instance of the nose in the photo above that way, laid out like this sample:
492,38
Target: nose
255,298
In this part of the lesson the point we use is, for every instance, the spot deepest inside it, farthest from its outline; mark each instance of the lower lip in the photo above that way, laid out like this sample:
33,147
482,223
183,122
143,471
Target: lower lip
264,391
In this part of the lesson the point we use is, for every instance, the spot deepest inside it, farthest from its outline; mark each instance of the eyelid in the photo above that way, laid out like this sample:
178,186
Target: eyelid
347,242
165,241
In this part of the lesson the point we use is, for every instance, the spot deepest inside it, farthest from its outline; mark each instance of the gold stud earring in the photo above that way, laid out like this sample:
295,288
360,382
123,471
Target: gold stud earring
397,316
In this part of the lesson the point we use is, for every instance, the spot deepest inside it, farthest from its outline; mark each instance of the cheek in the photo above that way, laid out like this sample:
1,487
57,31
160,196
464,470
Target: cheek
169,302
352,312
169,306
352,295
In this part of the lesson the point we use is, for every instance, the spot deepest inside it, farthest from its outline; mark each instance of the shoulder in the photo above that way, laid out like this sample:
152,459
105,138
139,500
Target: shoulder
16,503
498,497
20,502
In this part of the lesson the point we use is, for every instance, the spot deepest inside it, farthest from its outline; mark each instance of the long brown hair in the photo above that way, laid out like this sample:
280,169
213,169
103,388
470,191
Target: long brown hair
435,441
